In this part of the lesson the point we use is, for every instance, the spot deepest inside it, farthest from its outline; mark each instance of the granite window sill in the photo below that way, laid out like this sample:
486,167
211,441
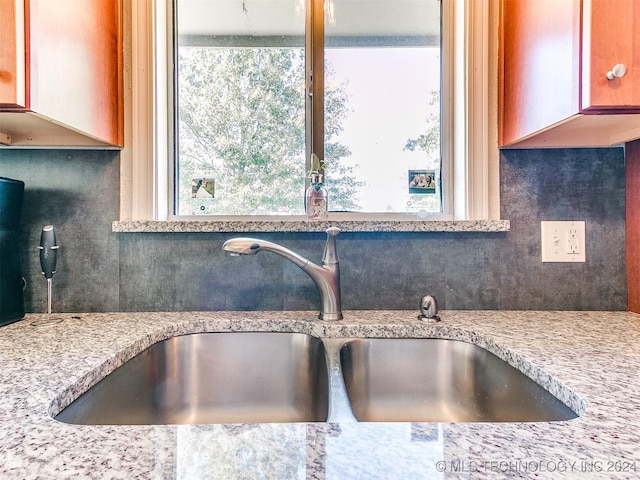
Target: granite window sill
187,226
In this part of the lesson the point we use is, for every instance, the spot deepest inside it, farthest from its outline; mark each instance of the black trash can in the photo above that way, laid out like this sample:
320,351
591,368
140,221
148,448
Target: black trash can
11,281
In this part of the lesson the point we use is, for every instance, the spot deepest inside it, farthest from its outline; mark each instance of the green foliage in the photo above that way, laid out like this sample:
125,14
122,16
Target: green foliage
242,122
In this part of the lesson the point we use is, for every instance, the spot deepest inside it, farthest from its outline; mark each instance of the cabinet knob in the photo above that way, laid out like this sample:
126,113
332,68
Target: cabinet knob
618,71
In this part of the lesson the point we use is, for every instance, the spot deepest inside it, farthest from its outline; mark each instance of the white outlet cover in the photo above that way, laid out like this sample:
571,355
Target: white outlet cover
563,241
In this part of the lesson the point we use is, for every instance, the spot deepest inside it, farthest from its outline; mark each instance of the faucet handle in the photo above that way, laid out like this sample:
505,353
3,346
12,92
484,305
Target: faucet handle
429,309
330,256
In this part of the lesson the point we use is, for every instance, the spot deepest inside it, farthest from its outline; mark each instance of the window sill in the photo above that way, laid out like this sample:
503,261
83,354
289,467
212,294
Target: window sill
276,225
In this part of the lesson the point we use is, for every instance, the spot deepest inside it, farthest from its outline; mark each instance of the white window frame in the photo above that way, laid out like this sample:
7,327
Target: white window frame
472,182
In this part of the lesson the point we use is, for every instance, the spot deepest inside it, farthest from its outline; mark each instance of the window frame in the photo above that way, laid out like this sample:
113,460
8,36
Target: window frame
470,178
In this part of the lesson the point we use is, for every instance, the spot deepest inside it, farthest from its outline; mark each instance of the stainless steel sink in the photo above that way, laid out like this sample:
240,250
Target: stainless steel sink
212,378
437,380
293,377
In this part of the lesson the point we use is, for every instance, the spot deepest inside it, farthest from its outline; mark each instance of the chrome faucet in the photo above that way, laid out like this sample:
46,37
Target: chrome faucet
326,277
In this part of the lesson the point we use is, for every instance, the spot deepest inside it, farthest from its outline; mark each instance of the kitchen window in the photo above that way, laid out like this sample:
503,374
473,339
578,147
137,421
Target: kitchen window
263,84
465,183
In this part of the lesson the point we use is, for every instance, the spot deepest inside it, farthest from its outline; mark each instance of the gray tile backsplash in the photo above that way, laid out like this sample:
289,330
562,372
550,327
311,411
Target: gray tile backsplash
77,192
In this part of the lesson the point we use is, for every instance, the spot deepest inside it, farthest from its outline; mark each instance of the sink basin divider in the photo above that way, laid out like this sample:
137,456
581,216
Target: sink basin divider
339,404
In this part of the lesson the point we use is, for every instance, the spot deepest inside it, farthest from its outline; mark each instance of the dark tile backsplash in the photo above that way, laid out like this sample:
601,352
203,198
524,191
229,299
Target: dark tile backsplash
77,192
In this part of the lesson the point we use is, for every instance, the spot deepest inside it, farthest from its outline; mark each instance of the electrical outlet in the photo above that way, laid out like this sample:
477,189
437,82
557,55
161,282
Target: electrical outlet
573,241
563,241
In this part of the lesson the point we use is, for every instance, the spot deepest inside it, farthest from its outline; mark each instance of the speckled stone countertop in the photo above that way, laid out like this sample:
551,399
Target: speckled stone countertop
303,225
590,359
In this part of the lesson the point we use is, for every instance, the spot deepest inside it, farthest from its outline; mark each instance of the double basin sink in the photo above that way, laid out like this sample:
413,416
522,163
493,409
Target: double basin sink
292,377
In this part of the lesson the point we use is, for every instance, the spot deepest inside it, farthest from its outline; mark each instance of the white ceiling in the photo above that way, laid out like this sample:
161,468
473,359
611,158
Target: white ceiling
279,17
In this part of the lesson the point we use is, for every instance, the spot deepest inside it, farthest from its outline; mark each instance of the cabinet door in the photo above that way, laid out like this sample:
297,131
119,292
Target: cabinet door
76,64
12,54
540,84
611,36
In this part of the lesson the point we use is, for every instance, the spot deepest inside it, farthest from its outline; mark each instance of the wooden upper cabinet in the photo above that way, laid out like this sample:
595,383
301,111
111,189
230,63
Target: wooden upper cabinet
12,54
61,73
611,37
554,59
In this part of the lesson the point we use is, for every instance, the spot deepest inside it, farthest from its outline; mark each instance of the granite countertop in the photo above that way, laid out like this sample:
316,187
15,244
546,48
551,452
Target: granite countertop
301,224
589,358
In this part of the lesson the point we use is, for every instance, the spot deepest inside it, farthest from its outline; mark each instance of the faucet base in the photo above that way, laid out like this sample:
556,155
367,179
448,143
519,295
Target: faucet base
330,316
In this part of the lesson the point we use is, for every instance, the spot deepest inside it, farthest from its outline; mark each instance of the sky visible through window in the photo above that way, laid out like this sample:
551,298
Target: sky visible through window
389,94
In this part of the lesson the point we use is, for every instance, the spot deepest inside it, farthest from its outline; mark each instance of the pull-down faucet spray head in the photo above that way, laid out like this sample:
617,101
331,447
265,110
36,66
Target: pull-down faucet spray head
326,277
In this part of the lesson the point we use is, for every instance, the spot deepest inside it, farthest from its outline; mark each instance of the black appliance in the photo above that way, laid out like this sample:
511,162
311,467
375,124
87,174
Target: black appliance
11,281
